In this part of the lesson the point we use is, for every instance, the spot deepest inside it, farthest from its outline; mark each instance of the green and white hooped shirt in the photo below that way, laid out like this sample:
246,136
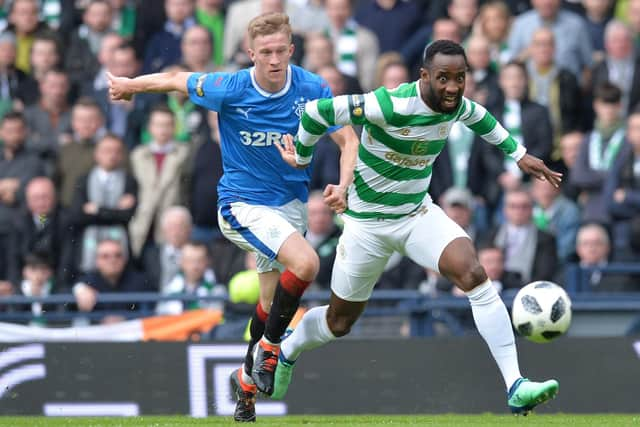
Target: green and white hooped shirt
401,139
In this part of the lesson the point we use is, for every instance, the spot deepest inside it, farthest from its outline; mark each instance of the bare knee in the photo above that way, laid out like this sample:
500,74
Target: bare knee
339,325
306,265
471,276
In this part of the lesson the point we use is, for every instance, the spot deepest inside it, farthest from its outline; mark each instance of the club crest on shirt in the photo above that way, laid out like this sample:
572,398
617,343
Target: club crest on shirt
298,106
405,132
199,84
442,131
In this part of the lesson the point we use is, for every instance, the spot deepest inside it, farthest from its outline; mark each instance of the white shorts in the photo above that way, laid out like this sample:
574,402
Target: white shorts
366,245
262,229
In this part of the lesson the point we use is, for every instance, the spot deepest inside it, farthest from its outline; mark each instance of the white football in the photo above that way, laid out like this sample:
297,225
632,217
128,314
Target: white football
541,311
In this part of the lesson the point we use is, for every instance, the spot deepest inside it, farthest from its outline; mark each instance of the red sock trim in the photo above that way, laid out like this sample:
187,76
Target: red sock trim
262,315
292,284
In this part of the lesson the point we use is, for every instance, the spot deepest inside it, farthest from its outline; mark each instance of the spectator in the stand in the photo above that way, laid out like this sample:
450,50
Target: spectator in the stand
123,20
597,13
554,87
392,21
161,169
81,59
527,121
195,278
598,152
196,49
326,166
492,259
391,71
446,29
164,46
113,274
162,261
43,228
14,83
620,65
17,167
150,18
458,204
622,187
319,53
37,280
104,201
322,234
464,13
529,252
483,72
556,214
45,56
75,157
442,29
210,14
125,118
570,144
573,44
206,171
191,124
494,23
593,247
50,119
356,47
25,25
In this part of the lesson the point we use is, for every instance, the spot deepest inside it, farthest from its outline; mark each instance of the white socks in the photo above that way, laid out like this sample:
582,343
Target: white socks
312,331
494,324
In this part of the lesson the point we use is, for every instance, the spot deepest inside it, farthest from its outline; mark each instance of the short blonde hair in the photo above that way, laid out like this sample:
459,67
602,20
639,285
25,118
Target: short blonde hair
269,23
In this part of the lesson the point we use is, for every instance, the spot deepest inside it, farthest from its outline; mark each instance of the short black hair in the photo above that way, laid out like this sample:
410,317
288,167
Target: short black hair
37,259
608,93
14,115
445,47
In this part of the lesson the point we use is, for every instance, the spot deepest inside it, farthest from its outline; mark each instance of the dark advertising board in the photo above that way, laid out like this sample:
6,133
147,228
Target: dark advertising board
385,377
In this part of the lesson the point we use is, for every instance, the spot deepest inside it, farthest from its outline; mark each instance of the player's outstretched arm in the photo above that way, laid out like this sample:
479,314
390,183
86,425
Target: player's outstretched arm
123,88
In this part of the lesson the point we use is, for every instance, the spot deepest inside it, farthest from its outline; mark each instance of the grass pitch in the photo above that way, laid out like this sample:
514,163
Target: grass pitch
600,420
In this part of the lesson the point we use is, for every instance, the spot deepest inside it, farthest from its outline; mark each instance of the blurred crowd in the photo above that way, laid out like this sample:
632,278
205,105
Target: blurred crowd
99,196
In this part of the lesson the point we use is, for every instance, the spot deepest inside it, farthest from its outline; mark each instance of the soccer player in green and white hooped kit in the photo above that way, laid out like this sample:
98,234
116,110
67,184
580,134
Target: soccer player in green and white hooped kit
389,209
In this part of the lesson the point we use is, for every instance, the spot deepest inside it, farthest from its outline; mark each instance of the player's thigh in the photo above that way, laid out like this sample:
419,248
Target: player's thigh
361,256
431,232
259,229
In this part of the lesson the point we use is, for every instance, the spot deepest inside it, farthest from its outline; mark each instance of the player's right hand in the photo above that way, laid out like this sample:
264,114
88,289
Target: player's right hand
288,151
118,88
335,197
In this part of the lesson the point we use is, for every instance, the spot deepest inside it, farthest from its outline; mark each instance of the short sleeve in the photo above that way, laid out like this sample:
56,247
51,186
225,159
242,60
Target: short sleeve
208,90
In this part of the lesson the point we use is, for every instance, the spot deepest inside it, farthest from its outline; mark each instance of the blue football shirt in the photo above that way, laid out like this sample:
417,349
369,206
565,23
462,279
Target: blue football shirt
251,121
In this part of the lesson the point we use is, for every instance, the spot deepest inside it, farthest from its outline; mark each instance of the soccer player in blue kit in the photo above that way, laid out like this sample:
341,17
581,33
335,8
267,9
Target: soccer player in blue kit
261,205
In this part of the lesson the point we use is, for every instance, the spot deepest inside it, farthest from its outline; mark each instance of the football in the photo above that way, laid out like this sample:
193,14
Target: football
541,311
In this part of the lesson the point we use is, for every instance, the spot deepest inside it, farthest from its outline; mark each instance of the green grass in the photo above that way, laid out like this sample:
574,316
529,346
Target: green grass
600,420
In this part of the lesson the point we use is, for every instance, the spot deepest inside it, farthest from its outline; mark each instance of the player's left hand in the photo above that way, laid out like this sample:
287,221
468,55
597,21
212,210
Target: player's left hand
335,197
536,167
288,151
118,90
